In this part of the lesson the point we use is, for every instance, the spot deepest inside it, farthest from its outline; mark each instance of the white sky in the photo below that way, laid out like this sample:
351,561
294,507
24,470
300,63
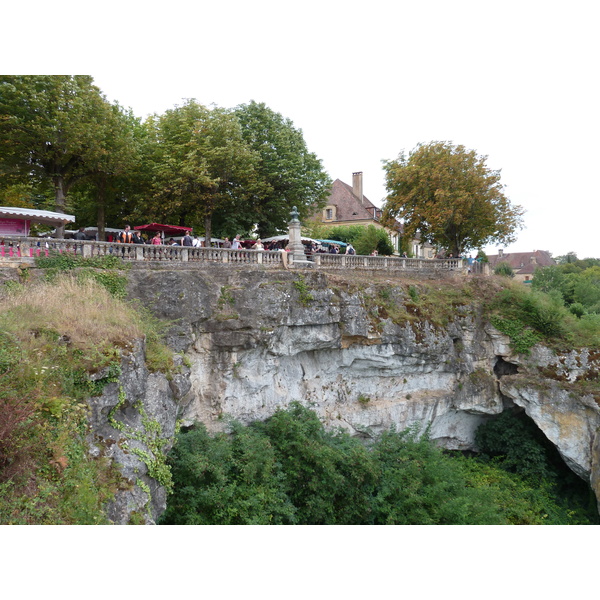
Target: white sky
514,81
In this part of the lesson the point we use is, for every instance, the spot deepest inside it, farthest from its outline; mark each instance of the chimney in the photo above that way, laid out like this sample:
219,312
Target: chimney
357,185
500,253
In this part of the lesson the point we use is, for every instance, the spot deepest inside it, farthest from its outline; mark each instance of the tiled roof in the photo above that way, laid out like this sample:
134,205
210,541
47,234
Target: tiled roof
349,207
523,262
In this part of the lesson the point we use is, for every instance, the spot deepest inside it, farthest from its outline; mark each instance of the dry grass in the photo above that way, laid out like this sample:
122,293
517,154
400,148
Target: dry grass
81,313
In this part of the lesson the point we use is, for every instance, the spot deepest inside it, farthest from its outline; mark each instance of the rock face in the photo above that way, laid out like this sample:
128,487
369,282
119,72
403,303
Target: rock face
254,341
133,424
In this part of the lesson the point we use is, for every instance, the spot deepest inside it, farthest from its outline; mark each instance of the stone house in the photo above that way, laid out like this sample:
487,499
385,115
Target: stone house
523,264
347,205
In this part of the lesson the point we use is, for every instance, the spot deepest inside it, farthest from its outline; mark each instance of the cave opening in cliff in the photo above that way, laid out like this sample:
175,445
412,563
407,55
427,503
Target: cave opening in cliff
503,367
513,441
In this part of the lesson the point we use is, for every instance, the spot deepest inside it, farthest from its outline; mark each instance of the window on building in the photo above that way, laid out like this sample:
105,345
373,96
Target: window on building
329,214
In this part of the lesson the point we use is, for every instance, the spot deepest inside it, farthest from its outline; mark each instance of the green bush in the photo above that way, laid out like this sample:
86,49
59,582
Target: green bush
504,269
513,443
522,313
328,476
226,479
373,238
289,469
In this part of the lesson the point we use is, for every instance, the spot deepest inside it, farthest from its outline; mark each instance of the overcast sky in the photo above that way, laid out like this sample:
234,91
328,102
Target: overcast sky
514,81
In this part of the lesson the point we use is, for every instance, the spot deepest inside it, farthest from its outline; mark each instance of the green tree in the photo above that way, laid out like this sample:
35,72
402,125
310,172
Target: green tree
577,282
289,469
107,194
364,238
449,195
373,238
504,269
201,165
52,127
419,485
329,477
288,173
569,257
226,479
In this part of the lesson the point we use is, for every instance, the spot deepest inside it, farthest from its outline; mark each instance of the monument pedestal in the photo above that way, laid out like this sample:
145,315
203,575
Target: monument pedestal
297,255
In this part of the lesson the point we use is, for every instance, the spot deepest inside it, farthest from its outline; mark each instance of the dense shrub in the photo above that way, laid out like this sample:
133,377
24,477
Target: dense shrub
289,469
504,269
513,443
519,311
228,480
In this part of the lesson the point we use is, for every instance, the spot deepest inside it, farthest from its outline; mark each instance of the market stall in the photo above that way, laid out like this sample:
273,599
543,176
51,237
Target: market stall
16,221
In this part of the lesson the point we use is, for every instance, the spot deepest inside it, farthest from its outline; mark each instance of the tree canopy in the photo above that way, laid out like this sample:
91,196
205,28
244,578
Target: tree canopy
200,165
64,146
289,469
288,173
55,129
451,197
364,238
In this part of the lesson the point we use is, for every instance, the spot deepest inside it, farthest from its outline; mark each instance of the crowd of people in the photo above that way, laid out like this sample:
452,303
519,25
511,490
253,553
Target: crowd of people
131,236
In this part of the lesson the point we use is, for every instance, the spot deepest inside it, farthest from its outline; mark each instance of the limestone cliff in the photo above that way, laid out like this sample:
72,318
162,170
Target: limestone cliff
133,423
359,353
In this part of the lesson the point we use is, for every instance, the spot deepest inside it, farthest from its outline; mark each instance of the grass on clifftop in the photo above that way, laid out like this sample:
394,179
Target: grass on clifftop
526,316
52,335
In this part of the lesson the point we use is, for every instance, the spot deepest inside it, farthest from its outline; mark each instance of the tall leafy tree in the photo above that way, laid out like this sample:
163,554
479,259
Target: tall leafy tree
449,195
288,173
114,182
201,164
52,127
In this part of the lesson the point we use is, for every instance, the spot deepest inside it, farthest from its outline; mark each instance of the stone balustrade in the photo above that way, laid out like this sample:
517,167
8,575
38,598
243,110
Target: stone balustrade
24,250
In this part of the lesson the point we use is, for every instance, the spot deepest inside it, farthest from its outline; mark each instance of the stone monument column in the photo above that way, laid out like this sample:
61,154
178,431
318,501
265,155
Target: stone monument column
296,246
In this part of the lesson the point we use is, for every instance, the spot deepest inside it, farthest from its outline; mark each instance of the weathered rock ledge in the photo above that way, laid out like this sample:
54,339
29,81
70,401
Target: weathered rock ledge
254,341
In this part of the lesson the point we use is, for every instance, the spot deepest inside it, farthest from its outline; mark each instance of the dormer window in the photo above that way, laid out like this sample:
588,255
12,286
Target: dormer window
329,213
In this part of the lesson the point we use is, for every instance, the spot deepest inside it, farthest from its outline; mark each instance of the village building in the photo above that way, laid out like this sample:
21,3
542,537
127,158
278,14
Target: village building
347,205
523,264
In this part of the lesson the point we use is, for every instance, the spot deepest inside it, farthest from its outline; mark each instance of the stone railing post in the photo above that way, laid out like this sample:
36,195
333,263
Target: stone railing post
86,250
25,247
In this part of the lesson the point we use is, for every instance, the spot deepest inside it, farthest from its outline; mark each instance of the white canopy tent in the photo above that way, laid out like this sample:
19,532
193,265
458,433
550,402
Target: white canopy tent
281,238
17,221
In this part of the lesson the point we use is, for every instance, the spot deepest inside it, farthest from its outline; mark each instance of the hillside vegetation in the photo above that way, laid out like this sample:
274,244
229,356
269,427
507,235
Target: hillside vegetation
53,336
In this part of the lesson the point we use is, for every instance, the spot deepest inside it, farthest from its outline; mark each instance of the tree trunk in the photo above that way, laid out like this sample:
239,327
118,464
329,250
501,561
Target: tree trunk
59,202
207,230
101,209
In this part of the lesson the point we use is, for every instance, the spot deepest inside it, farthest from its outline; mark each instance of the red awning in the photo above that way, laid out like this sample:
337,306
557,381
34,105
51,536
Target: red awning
166,229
